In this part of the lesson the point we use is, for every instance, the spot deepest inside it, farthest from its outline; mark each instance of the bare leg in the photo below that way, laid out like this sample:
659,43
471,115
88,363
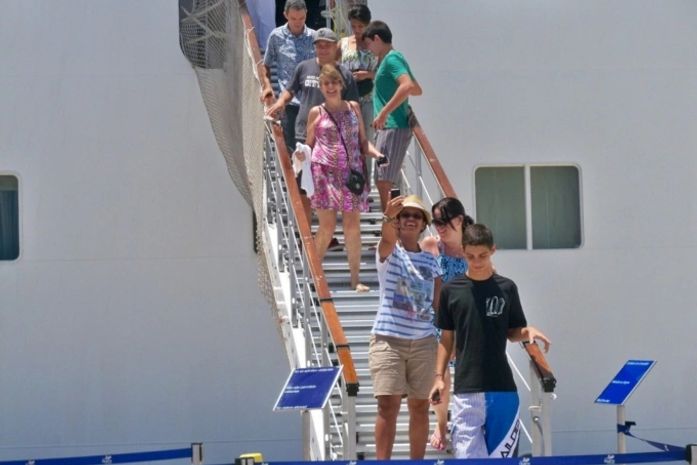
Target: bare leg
327,225
386,425
384,191
438,438
352,233
418,427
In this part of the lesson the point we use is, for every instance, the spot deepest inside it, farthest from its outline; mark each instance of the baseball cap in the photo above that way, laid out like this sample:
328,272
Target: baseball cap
325,34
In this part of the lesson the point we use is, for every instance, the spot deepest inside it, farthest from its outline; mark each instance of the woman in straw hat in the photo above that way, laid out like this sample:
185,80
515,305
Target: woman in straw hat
402,344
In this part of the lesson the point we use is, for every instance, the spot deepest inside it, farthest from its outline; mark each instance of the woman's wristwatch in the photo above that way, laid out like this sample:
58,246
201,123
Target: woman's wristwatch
387,218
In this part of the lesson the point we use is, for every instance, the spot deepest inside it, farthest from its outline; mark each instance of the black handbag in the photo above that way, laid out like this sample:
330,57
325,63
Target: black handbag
356,181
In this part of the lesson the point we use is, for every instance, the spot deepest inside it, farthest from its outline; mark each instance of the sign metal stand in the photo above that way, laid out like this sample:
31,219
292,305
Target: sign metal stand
620,389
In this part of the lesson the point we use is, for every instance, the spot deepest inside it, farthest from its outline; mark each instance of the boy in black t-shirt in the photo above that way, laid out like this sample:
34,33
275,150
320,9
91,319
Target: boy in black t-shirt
481,310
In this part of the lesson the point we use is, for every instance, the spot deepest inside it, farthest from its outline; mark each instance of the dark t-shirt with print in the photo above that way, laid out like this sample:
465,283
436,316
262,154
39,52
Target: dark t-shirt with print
305,85
481,313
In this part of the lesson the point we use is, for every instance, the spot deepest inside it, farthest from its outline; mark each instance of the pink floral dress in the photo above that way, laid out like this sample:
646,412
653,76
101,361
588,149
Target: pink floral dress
331,166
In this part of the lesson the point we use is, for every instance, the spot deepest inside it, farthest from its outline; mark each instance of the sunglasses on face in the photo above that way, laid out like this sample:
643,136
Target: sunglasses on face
440,222
413,216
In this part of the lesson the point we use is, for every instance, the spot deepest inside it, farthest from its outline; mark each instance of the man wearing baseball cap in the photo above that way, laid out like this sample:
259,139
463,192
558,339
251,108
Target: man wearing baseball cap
305,81
305,85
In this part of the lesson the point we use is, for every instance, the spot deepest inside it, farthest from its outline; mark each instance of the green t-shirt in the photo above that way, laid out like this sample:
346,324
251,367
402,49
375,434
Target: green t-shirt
391,67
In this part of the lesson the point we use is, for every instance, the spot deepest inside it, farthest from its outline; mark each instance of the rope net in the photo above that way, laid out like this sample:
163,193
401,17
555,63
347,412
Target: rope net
212,37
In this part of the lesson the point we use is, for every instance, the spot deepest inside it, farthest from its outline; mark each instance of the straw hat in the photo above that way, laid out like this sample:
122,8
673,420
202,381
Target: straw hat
414,201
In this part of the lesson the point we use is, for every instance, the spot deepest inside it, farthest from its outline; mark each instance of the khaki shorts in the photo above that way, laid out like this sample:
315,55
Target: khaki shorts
403,367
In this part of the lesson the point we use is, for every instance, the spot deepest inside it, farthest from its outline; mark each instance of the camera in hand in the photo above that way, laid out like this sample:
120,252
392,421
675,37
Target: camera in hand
381,161
395,192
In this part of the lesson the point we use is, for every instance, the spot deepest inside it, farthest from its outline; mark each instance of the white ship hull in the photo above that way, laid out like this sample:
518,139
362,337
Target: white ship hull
132,319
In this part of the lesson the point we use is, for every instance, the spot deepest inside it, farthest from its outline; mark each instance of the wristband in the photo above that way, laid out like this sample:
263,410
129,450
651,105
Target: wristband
387,219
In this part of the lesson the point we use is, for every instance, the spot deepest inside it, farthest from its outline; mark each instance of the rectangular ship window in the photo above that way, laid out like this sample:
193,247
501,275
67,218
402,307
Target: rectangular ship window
530,207
556,207
500,204
9,217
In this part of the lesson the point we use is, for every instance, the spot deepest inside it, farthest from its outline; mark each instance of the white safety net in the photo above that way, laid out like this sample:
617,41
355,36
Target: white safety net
212,37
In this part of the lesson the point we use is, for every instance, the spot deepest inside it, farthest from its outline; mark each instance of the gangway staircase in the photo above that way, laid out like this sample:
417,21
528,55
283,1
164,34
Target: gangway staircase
308,333
321,321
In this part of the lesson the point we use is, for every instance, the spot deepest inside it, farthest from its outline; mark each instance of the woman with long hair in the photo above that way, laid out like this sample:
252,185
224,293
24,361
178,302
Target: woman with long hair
355,56
450,221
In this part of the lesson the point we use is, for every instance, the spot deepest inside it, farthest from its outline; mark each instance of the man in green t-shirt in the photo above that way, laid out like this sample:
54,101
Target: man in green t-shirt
394,83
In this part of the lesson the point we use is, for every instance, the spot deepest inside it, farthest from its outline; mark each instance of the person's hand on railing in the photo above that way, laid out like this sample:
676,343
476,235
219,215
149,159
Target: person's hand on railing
266,96
531,334
275,109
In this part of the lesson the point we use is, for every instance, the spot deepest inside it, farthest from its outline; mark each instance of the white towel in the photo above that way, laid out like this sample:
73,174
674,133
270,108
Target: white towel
306,182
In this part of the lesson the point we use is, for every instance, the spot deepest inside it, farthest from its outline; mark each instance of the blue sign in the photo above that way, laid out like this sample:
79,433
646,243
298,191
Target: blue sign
308,388
625,382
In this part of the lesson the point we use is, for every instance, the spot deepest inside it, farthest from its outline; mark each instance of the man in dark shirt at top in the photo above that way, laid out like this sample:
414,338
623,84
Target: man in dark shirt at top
481,310
305,84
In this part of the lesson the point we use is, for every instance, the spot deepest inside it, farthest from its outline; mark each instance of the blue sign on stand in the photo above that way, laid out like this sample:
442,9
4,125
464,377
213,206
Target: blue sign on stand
625,382
308,388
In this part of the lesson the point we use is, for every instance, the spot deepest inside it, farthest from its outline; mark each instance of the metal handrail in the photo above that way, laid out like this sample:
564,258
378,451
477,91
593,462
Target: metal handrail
425,150
542,391
314,294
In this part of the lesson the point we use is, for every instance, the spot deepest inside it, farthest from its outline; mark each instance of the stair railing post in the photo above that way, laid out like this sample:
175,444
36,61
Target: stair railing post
307,316
295,297
547,423
326,413
350,436
418,155
540,404
535,410
326,427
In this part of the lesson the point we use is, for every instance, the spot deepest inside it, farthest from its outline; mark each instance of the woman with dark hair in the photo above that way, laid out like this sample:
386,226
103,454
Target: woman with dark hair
450,221
355,56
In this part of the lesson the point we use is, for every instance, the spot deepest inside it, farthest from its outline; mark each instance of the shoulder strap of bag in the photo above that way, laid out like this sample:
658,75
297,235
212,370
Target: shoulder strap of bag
338,129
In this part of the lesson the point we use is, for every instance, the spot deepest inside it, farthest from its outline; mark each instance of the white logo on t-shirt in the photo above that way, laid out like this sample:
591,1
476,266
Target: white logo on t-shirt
494,306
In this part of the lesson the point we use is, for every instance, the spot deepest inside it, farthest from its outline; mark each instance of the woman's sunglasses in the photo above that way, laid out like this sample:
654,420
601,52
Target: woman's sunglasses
440,222
413,216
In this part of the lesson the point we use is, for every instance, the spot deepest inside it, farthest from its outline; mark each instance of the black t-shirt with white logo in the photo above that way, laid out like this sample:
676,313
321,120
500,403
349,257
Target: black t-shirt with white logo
481,313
